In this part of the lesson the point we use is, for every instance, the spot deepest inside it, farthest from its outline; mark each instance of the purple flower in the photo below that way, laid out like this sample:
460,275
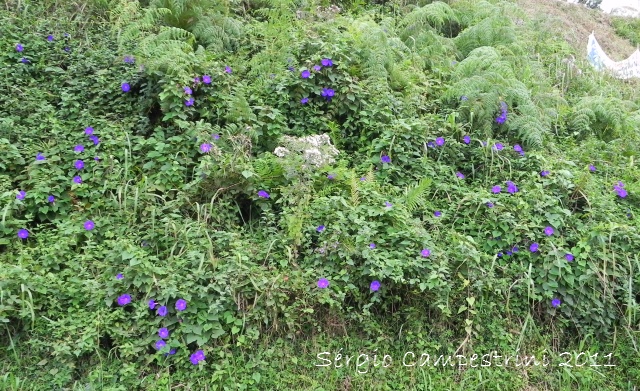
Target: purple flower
119,276
197,357
67,49
89,225
437,213
126,87
544,173
181,305
619,188
79,164
21,194
196,80
326,62
489,204
50,38
163,333
511,187
129,59
372,245
508,252
25,60
304,100
460,175
375,285
430,144
498,146
548,231
160,344
317,68
534,247
19,48
323,283
503,115
152,304
496,189
517,148
215,136
23,233
592,168
555,302
88,131
466,139
124,300
331,176
425,252
206,79
171,352
51,198
227,69
205,148
320,228
305,74
363,179
162,311
263,194
440,141
95,140
464,97
77,179
78,148
328,93
569,257
189,102
388,204
499,254
515,249
187,90
40,156
385,159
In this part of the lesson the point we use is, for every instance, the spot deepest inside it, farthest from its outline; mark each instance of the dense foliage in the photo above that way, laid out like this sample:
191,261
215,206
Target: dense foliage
165,176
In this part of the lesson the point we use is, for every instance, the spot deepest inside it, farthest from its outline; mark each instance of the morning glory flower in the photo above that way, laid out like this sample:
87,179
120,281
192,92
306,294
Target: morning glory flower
425,252
317,68
555,302
187,90
196,80
460,175
304,100
129,59
496,189
515,249
592,167
511,187
119,276
534,247
125,87
326,62
331,176
50,38
124,300
466,139
215,136
548,231
385,159
363,179
328,93
21,194
51,198
500,254
320,228
517,148
79,164
569,257
388,204
89,225
25,60
263,194
205,148
544,173
189,102
323,283
503,115
19,48
67,49
206,79
162,311
227,69
372,245
305,74
171,352
95,140
375,285
78,148
464,97
152,304
88,131
181,305
160,344
440,141
430,144
619,188
163,333
23,233
509,252
498,146
77,179
437,213
489,204
40,156
197,357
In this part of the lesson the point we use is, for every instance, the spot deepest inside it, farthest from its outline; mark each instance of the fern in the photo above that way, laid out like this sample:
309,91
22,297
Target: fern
414,196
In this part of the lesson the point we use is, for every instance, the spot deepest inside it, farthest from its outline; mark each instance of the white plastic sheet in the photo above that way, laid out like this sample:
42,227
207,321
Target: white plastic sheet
621,69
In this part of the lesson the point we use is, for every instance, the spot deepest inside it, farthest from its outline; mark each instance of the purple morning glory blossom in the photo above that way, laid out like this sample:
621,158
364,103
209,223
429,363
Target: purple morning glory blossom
555,302
385,159
77,179
189,102
19,48
78,148
496,189
263,194
305,74
515,249
544,173
323,283
331,176
466,139
619,188
40,156
464,97
124,300
206,79
23,233
440,141
51,198
88,131
181,305
196,80
437,213
162,311
517,148
548,231
304,100
152,304
95,140
511,187
460,175
534,247
119,276
89,225
125,87
388,204
215,136
503,115
320,228
79,164
328,93
317,68
489,204
163,333
326,62
227,69
372,246
50,38
499,254
425,252
569,257
25,60
375,285
160,344
197,357
592,168
171,352
363,179
498,146
21,194
205,148
129,59
187,90
430,144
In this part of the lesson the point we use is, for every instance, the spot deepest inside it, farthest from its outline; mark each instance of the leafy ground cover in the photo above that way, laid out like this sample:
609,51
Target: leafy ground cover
279,195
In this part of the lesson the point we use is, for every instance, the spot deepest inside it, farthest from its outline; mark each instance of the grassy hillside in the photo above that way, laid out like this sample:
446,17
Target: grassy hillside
288,195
